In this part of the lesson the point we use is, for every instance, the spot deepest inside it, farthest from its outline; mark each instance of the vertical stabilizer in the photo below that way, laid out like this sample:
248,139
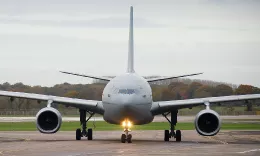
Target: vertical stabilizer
130,66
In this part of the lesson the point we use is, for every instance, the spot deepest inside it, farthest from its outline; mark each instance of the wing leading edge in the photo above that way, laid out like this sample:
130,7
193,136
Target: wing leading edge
163,106
91,105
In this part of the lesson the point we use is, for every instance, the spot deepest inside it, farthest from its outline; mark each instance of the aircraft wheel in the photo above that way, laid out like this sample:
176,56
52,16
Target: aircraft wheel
78,134
90,134
166,135
129,138
123,138
178,136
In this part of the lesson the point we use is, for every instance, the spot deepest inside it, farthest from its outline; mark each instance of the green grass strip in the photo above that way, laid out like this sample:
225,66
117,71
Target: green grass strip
102,126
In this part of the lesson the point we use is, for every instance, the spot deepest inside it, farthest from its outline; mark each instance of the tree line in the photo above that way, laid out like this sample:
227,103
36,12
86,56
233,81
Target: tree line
176,90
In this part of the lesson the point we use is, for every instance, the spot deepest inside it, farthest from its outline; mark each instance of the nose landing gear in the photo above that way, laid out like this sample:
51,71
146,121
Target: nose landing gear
126,137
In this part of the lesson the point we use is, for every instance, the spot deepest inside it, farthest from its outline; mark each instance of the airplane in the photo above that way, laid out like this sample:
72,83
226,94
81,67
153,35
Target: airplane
127,101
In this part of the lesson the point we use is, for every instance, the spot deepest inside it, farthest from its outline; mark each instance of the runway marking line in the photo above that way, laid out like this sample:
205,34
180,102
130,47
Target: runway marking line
248,151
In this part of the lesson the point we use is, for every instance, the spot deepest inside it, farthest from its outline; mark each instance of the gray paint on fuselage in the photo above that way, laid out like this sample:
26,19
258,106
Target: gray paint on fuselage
128,96
134,106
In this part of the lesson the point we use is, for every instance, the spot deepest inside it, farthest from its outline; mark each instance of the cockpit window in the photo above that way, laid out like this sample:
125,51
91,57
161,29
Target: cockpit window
127,91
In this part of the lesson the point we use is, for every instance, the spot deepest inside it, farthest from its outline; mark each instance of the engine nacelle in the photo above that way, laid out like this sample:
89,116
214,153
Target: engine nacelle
48,120
207,122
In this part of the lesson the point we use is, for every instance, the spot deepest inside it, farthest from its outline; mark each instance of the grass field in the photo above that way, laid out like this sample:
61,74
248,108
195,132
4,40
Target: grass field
222,110
101,125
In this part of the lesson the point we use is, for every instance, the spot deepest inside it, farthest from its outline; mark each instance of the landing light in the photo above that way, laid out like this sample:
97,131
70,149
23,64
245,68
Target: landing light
124,124
127,124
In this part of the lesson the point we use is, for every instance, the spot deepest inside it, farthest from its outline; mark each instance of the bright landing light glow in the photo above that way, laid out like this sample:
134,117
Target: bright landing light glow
124,124
127,124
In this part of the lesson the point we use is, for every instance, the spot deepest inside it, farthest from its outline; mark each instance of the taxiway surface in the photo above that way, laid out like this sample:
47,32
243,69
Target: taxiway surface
144,143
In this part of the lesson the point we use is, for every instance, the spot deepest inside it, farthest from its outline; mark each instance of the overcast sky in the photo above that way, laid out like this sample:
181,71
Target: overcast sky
40,37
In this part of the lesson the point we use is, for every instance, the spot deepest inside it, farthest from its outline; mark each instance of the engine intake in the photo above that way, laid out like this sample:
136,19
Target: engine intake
207,122
48,120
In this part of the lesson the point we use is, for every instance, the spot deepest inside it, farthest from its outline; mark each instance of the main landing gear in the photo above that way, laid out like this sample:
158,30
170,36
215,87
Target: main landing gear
83,122
171,133
126,137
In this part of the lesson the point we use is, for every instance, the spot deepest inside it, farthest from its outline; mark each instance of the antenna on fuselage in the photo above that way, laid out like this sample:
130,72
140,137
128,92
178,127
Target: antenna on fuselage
130,65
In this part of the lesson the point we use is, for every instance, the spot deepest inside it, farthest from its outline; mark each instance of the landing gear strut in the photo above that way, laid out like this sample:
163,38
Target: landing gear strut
171,133
126,137
83,122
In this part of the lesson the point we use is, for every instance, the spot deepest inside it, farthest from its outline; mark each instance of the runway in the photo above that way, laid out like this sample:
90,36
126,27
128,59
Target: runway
144,143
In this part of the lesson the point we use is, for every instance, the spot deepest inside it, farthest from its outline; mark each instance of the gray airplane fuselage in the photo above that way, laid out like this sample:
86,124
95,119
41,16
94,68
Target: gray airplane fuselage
128,96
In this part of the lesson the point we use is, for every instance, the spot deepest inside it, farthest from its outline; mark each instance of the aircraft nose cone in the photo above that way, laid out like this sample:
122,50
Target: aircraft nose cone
127,107
127,101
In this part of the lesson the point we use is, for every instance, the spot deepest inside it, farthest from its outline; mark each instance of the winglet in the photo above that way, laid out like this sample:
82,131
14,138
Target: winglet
130,66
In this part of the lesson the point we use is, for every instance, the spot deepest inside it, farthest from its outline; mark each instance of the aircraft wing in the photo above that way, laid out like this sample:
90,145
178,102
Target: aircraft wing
164,106
170,77
91,105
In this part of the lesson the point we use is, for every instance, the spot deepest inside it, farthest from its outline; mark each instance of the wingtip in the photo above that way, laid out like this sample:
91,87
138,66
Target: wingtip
199,73
63,72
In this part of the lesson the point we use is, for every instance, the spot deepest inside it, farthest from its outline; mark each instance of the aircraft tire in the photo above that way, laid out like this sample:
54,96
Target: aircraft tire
178,136
166,135
78,134
123,138
90,134
129,138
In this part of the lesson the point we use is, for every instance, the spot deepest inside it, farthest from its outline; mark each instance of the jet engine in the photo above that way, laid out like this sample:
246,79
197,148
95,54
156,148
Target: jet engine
48,120
207,122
